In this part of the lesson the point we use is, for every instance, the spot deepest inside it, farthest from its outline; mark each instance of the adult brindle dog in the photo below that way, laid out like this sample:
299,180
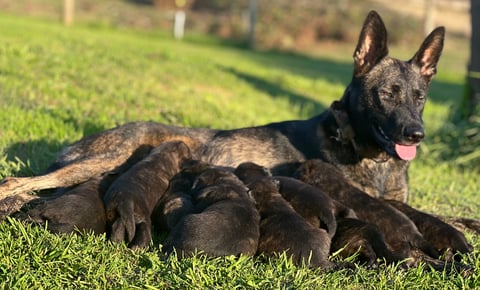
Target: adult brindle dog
370,134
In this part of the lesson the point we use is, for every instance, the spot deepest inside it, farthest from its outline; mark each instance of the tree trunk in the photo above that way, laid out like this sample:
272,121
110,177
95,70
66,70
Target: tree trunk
473,86
252,12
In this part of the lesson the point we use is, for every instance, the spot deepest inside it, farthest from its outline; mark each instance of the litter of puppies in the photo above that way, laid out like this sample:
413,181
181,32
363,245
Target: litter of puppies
246,210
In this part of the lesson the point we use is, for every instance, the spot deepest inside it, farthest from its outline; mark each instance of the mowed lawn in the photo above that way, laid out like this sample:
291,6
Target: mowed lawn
58,84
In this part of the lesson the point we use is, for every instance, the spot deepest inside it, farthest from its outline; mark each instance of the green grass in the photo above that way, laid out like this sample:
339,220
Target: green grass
58,84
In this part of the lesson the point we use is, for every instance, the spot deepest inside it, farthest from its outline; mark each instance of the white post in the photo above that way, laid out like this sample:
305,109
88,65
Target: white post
68,12
179,24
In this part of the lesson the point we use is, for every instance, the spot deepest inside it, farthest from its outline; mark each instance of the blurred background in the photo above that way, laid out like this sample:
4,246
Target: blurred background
280,24
284,25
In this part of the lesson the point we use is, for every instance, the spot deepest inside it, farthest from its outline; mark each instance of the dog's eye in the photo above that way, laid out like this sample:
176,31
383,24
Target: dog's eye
386,95
420,98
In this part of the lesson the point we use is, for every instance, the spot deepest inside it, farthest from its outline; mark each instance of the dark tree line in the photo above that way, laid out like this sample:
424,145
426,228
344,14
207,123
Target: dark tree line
473,76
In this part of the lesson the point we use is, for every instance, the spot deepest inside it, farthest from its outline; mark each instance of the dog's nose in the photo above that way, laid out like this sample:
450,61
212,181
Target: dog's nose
414,134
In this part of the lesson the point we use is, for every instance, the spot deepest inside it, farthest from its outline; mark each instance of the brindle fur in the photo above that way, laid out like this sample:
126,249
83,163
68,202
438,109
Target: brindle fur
79,209
356,237
401,234
131,198
177,201
445,238
311,203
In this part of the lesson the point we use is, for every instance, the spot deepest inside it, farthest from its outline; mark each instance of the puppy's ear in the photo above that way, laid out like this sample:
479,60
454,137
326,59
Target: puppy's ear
371,46
250,194
201,181
276,182
427,56
266,171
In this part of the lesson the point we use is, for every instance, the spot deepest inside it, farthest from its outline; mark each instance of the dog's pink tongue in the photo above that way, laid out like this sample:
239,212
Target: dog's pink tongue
406,152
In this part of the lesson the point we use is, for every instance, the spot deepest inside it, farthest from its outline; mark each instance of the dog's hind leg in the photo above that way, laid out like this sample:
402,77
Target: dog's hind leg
14,190
13,203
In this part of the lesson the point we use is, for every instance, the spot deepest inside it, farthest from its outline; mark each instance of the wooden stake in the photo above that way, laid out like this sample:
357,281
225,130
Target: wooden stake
68,12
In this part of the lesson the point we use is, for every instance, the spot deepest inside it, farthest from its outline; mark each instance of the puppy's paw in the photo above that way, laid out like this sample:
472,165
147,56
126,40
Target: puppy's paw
128,226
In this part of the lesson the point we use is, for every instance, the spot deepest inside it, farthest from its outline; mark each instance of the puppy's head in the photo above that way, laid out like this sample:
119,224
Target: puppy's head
262,189
213,176
249,171
190,169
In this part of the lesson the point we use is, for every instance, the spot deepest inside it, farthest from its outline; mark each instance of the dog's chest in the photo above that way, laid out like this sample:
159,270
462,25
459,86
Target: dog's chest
387,179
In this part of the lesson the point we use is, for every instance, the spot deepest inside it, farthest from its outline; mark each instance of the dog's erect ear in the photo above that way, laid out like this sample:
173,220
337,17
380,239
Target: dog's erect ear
429,53
371,46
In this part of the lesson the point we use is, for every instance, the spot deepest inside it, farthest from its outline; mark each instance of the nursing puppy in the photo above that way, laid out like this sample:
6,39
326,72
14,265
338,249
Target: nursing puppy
308,201
282,229
445,238
177,201
132,197
354,236
79,209
401,234
226,221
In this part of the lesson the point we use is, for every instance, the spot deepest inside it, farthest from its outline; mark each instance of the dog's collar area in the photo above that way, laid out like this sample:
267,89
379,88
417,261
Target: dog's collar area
346,135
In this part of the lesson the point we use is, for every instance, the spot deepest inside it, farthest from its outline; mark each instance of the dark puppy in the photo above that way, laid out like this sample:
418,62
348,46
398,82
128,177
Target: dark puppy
132,197
80,208
177,201
354,236
310,202
227,222
248,172
445,238
282,229
401,234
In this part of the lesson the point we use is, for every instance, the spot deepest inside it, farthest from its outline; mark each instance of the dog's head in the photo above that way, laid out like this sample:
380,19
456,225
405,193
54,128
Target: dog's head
386,97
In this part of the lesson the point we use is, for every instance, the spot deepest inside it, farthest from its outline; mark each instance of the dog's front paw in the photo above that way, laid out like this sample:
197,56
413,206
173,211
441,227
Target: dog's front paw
127,225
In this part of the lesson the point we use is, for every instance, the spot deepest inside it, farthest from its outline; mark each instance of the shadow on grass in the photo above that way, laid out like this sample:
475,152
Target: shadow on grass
275,90
80,124
336,72
448,93
37,155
